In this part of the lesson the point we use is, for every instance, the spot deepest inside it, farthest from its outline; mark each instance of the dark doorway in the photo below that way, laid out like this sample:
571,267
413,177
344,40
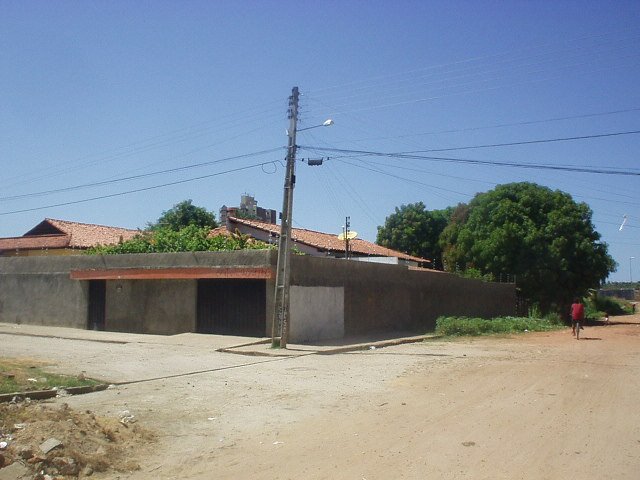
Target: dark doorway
97,303
232,307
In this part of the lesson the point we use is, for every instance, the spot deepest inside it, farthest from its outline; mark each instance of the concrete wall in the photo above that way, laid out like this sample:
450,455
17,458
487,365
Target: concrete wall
329,296
318,313
39,290
383,297
164,307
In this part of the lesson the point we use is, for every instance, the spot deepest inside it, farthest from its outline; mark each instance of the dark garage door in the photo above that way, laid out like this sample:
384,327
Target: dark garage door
232,307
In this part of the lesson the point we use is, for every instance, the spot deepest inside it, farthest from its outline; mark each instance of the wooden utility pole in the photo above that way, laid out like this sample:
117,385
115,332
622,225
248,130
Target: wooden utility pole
280,321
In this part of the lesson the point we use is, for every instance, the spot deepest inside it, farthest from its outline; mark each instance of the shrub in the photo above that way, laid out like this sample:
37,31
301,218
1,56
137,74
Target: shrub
602,304
484,326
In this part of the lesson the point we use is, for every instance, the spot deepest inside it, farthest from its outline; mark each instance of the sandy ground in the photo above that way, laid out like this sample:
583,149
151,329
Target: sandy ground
533,406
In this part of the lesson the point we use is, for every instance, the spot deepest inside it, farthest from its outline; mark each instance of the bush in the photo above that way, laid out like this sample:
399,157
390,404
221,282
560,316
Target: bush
484,326
189,239
601,304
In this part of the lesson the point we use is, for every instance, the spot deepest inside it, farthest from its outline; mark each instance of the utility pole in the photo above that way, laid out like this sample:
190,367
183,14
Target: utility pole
347,223
280,322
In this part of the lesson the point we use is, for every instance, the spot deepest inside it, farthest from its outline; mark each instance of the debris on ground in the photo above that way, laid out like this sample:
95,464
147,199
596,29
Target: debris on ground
48,440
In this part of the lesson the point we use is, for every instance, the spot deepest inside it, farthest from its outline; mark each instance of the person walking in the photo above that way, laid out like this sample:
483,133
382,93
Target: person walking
577,317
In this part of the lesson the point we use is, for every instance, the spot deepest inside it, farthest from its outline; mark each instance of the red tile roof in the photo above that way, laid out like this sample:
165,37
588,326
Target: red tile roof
327,241
87,235
37,242
52,234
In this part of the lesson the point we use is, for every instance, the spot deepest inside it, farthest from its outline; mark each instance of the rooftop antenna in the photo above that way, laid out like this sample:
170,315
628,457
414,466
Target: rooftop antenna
347,235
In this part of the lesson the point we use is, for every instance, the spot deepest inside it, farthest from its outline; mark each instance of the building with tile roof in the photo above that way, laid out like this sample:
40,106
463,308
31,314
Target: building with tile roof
318,244
61,237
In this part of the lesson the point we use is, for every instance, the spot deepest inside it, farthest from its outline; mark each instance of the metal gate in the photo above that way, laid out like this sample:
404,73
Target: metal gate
232,307
97,304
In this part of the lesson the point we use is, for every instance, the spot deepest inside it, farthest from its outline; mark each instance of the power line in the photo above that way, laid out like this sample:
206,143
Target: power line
136,177
464,92
145,189
403,155
162,140
469,60
488,127
474,71
530,142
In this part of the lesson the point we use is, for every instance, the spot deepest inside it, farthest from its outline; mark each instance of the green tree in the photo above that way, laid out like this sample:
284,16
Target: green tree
542,236
183,214
415,230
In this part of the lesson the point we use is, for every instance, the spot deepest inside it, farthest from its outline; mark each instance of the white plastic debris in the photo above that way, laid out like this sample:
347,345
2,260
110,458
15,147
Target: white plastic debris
126,417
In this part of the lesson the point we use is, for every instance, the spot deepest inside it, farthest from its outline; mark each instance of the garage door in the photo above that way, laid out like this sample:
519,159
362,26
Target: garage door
232,307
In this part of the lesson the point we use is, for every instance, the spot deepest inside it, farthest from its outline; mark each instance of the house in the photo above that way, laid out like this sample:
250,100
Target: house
230,292
316,244
61,237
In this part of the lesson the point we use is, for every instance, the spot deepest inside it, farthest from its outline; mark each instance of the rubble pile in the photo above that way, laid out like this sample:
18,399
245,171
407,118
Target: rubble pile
43,441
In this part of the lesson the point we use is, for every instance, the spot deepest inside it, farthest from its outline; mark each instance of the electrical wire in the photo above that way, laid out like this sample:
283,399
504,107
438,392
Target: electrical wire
470,60
137,190
141,146
137,177
530,142
475,162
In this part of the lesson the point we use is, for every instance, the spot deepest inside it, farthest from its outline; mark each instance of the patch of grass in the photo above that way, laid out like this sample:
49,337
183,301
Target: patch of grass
482,326
27,375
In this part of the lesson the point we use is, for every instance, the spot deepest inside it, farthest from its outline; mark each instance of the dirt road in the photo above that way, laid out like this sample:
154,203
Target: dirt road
534,406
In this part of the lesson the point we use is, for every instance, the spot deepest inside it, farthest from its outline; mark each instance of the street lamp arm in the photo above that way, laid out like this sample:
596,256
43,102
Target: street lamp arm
326,123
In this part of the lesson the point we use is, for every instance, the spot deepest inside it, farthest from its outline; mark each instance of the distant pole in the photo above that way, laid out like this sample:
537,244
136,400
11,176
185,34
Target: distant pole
280,320
630,274
347,223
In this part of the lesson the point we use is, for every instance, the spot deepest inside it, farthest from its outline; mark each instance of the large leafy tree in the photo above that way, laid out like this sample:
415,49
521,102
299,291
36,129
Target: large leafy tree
415,230
542,236
182,215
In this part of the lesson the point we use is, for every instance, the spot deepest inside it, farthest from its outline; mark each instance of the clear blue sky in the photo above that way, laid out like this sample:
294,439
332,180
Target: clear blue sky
98,91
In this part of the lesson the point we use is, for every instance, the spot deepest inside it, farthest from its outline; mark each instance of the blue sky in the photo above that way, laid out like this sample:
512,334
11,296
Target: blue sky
97,92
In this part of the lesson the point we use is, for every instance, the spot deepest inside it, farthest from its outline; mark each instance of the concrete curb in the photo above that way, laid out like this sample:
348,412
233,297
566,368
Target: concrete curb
44,394
329,351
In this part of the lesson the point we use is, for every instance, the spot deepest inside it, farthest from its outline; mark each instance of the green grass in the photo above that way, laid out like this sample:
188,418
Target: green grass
28,375
458,326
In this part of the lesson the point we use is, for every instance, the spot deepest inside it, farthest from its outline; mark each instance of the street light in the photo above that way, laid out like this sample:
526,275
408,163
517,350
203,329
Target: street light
630,275
326,123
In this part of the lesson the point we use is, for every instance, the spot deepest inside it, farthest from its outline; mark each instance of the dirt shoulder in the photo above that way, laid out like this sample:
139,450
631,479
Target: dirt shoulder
535,406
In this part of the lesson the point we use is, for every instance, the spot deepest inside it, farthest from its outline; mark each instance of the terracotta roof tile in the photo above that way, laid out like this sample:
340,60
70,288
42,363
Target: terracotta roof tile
35,242
52,233
330,242
86,235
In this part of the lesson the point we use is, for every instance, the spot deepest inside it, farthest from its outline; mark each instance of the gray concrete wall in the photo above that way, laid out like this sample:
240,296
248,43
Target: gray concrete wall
318,313
39,290
384,297
163,307
43,299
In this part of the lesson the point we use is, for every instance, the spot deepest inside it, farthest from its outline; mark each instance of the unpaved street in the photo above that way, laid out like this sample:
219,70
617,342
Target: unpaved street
535,406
